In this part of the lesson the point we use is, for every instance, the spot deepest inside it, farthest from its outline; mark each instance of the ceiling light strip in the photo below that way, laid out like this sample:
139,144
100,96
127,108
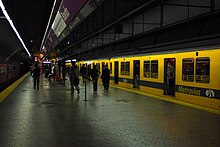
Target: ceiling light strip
51,14
13,27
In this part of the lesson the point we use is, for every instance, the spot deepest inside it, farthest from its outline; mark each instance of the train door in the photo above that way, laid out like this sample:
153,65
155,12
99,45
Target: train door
169,76
136,74
116,72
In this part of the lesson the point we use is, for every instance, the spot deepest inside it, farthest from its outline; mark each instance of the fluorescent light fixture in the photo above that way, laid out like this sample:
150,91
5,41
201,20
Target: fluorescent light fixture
46,62
68,61
48,24
13,27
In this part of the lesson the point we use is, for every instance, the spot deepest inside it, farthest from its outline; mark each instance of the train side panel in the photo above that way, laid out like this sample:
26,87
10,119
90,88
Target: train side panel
188,88
148,84
205,94
125,79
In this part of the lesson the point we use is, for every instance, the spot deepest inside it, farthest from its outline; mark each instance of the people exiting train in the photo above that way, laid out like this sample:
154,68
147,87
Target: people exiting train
105,77
137,76
95,75
170,78
74,77
36,75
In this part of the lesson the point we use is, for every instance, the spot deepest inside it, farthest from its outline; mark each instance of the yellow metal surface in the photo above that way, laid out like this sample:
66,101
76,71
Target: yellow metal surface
214,83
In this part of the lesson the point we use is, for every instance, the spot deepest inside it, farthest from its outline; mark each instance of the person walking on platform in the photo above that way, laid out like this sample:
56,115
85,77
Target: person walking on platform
74,77
106,77
36,75
63,71
83,72
88,72
95,75
46,69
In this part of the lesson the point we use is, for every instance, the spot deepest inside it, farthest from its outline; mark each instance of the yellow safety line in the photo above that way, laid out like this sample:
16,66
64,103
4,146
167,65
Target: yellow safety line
9,89
170,99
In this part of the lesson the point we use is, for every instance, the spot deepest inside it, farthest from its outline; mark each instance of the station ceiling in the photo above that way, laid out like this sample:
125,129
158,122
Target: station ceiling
30,17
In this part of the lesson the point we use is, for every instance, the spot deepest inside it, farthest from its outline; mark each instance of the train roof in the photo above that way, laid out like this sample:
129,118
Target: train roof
157,53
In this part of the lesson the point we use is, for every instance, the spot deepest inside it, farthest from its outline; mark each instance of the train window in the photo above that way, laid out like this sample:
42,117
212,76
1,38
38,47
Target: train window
122,68
154,69
203,70
125,68
111,67
188,69
147,68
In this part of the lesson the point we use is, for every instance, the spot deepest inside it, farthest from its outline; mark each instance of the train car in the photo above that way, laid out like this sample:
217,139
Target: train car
8,71
3,73
191,75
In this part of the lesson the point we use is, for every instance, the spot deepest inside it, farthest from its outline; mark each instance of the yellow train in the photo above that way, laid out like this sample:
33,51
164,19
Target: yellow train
191,76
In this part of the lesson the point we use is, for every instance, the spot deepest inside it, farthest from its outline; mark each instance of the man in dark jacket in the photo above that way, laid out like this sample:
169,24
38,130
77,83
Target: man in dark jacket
83,72
95,75
36,75
74,77
63,71
106,77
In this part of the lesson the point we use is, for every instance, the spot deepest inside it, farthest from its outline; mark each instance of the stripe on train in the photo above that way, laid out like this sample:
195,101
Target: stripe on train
196,91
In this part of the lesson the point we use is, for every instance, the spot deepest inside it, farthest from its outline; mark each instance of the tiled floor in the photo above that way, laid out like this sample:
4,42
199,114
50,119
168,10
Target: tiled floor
52,117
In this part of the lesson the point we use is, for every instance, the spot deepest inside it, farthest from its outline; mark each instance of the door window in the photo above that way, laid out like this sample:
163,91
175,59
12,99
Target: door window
188,69
203,70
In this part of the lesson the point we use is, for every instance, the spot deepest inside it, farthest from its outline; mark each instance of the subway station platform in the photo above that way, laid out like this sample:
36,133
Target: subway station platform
52,117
